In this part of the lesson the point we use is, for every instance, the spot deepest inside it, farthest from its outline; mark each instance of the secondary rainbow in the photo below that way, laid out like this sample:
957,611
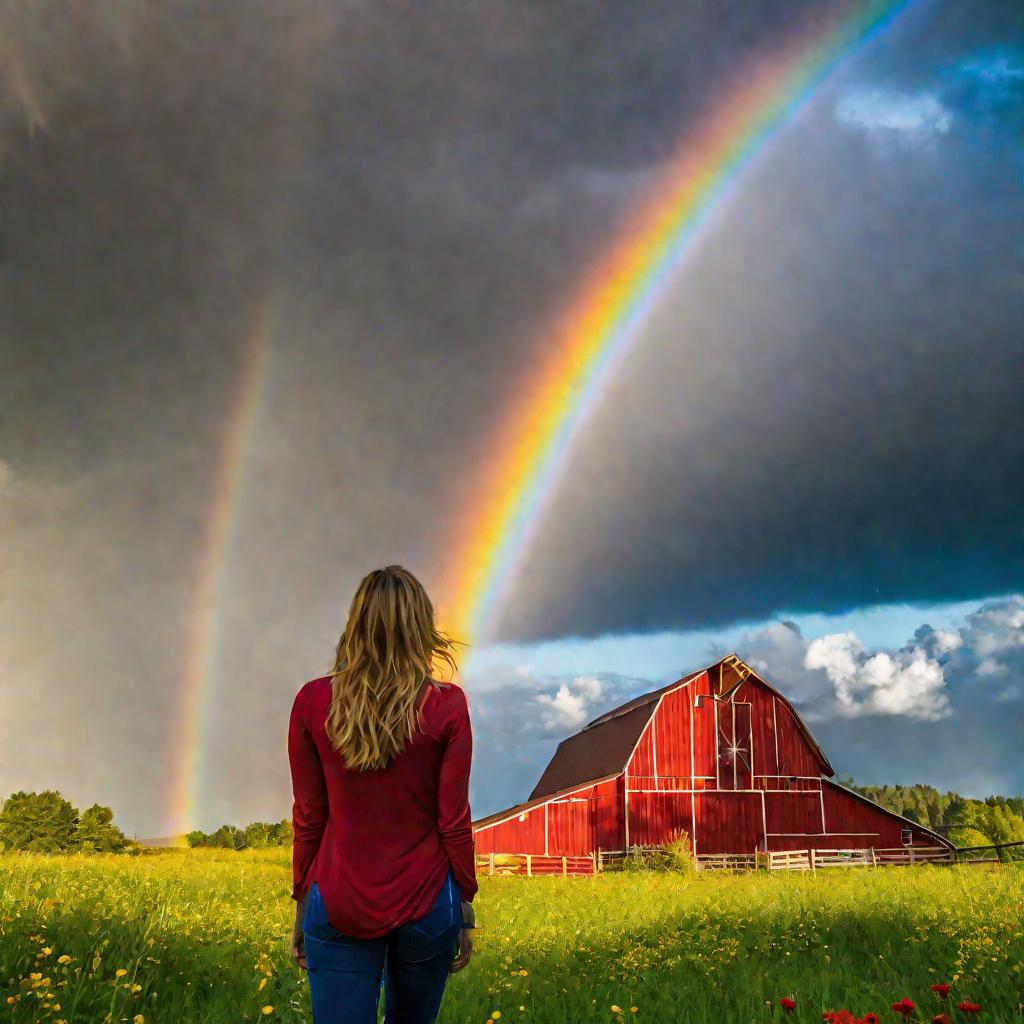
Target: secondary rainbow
532,446
207,599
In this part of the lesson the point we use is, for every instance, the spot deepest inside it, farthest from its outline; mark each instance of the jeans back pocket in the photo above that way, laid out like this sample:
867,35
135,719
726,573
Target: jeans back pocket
442,916
314,922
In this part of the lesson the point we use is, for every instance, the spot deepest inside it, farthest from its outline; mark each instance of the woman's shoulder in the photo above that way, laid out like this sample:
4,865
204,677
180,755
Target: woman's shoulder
446,697
312,690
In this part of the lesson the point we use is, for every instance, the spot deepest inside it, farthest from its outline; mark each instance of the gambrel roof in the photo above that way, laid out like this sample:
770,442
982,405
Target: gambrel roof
604,746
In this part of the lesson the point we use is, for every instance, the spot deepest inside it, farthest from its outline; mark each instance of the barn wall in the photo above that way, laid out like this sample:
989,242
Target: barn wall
654,818
514,836
609,826
662,757
795,754
844,812
728,822
792,813
577,824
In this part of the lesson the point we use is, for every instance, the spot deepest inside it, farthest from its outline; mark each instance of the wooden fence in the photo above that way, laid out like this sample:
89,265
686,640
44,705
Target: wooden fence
777,860
726,861
531,864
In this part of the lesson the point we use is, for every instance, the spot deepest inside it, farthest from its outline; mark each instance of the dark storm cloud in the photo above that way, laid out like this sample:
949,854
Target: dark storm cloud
412,192
825,409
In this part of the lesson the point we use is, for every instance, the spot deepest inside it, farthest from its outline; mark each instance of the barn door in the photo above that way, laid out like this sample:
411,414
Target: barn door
735,746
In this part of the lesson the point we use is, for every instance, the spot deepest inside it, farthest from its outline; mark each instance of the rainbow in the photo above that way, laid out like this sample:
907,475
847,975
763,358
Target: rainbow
207,598
594,334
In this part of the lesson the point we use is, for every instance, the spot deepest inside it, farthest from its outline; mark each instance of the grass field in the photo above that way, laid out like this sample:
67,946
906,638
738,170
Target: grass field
200,936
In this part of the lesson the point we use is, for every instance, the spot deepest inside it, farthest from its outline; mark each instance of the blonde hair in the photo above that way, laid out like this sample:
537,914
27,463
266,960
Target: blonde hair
388,649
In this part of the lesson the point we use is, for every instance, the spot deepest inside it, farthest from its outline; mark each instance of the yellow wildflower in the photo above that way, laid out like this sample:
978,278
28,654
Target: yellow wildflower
64,959
138,1019
120,972
267,1010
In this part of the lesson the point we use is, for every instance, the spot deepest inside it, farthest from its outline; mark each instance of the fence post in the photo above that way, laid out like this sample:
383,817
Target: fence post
910,849
874,861
565,868
529,865
813,865
595,856
490,864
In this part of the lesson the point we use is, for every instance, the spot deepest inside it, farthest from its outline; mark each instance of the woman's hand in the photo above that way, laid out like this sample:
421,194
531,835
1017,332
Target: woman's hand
465,938
465,950
297,945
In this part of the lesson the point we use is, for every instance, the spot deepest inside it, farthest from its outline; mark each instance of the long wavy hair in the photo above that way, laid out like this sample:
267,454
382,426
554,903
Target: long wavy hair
390,646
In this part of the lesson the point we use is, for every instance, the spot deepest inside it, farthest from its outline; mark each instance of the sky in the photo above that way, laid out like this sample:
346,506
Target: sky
812,455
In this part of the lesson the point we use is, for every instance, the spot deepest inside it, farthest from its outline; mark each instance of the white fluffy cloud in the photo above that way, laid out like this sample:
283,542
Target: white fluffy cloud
572,706
906,682
911,115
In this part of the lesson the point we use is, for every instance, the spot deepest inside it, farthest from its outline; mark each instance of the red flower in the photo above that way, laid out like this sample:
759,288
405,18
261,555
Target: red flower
870,1018
829,1017
941,990
966,1007
904,1007
941,1018
787,1004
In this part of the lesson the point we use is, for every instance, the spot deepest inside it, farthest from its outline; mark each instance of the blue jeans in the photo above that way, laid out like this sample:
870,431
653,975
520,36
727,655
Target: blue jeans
412,963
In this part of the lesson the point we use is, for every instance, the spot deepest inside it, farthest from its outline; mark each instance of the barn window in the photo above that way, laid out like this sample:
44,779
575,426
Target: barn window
906,836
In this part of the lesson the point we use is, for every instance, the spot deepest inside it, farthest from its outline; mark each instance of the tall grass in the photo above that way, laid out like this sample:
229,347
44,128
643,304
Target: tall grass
201,936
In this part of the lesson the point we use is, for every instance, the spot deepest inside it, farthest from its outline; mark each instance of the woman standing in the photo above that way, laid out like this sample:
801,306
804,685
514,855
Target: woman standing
382,857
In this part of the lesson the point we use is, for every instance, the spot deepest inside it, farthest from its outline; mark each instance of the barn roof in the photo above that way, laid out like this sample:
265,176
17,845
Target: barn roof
596,751
604,746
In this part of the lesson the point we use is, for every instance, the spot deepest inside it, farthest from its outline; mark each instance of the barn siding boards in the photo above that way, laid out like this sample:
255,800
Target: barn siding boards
846,811
729,822
792,813
642,772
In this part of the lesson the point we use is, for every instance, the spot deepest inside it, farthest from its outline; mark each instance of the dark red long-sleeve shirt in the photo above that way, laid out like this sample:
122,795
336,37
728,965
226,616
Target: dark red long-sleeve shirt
379,843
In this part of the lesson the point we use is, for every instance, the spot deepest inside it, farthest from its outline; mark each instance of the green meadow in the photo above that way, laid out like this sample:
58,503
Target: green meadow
200,935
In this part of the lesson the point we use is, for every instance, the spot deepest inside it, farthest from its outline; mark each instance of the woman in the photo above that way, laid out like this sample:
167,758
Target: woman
382,858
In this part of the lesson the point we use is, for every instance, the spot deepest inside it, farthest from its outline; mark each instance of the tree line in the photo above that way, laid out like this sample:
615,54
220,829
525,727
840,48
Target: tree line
966,822
257,835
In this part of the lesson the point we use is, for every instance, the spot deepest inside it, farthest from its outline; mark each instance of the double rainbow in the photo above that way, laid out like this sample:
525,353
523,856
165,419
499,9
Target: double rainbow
593,336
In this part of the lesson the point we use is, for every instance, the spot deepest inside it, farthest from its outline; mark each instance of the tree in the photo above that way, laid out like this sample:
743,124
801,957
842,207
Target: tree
97,833
41,822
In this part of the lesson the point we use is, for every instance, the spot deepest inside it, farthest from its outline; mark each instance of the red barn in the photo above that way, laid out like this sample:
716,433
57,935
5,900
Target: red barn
721,754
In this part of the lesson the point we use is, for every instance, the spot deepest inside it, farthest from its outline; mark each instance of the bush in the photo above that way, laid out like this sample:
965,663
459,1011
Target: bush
675,856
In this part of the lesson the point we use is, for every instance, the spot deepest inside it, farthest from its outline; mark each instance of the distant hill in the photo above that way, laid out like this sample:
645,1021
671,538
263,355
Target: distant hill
168,841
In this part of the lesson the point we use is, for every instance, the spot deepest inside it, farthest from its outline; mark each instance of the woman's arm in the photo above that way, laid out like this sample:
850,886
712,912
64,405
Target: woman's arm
309,811
454,821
